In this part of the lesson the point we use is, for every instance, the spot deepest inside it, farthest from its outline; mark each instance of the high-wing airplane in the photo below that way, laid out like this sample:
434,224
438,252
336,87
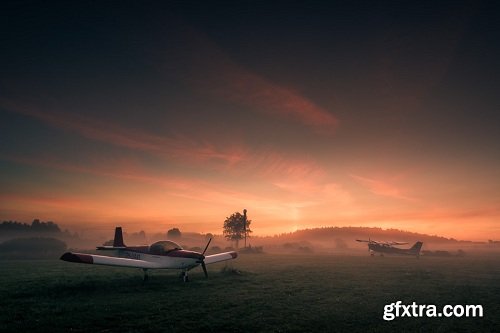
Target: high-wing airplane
160,255
388,248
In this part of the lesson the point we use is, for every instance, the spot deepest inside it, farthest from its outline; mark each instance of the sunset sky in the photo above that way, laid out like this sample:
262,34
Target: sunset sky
154,115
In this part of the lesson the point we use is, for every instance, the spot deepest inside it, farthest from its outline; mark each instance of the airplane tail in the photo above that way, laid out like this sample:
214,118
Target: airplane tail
118,241
415,249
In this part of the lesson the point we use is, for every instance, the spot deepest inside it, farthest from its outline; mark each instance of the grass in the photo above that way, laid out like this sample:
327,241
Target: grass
255,293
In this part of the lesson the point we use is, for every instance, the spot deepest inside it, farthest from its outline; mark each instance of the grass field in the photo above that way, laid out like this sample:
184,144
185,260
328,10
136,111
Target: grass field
258,293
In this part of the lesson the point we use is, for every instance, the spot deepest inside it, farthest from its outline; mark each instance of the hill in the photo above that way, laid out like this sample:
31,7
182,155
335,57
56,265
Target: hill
329,233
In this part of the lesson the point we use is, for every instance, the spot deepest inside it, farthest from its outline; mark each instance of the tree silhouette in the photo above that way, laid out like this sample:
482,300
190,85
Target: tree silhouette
174,233
235,227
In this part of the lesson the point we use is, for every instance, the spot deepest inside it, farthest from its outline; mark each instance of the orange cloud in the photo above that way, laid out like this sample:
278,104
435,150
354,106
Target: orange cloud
214,190
214,72
119,168
243,86
51,201
382,188
180,147
236,159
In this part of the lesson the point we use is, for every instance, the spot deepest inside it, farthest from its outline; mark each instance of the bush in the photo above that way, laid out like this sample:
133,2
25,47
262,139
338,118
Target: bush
174,233
35,247
252,250
215,249
303,247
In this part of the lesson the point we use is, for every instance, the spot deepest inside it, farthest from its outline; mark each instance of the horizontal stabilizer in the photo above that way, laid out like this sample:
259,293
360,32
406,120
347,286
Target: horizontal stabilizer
220,257
111,248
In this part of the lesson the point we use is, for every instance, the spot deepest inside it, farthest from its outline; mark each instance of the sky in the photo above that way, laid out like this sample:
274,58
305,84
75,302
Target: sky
153,115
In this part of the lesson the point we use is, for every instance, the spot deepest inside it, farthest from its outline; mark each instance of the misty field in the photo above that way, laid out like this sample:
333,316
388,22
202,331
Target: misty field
255,293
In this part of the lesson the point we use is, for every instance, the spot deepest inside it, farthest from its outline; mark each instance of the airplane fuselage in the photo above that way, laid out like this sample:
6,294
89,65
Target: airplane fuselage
176,259
386,249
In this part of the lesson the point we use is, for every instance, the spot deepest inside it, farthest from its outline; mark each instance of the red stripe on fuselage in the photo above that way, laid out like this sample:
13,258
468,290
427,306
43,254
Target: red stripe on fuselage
173,253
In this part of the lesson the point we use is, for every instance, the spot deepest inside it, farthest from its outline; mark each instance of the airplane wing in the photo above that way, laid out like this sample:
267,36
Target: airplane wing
84,258
211,259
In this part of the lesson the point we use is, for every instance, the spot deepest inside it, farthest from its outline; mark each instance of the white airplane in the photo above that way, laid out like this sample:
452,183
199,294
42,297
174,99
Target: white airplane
160,255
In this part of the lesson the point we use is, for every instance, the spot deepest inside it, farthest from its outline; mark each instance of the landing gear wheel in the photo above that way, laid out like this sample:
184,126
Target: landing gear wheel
146,276
184,276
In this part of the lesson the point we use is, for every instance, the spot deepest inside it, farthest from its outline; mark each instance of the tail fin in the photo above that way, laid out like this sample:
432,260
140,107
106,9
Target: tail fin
118,241
415,249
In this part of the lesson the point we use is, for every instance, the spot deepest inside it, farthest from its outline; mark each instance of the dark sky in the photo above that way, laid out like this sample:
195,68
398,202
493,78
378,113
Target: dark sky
306,113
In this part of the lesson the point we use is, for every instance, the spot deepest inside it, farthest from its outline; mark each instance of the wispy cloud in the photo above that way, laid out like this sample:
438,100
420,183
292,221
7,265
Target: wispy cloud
294,190
233,158
242,86
51,201
214,72
210,190
152,197
178,147
382,188
122,168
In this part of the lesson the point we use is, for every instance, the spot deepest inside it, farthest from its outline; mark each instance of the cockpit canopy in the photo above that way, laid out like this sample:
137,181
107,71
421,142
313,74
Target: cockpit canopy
163,247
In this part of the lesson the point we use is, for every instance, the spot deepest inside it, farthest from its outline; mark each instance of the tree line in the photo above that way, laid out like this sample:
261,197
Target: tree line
36,226
236,228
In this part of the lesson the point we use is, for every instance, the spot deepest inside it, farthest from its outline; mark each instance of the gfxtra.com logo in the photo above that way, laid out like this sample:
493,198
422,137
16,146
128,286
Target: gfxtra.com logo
398,309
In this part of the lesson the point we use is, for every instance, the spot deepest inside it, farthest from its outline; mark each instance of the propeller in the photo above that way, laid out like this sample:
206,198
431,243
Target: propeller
202,262
206,247
369,241
362,240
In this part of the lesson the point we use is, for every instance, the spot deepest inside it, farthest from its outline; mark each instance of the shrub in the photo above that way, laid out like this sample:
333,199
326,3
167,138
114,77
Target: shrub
34,247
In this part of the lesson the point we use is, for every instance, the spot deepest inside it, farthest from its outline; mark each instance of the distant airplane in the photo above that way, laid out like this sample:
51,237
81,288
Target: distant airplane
388,248
160,255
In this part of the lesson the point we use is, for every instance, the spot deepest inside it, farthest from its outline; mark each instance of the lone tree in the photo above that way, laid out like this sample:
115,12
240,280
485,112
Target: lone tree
174,233
237,227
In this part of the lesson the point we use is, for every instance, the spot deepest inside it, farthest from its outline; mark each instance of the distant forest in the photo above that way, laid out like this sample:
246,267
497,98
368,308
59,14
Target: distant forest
35,226
379,234
37,240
